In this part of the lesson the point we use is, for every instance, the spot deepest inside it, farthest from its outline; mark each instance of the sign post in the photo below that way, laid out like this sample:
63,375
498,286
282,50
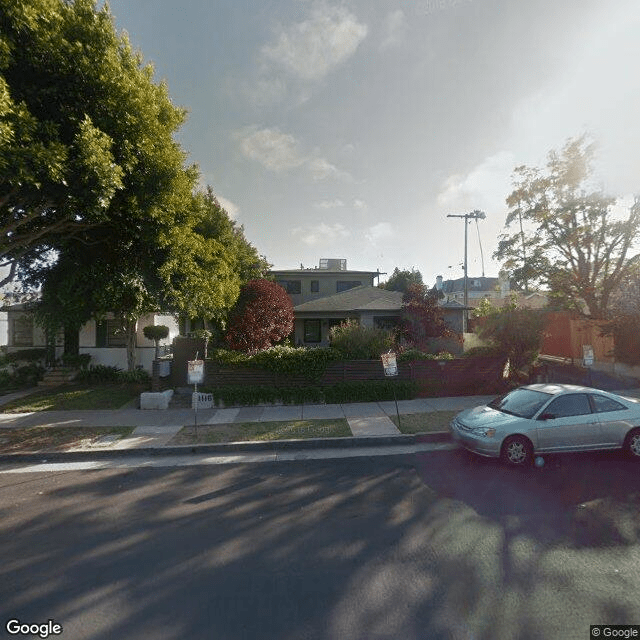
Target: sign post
588,359
390,365
195,376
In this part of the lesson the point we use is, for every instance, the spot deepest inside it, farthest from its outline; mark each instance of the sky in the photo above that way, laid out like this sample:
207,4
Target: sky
351,129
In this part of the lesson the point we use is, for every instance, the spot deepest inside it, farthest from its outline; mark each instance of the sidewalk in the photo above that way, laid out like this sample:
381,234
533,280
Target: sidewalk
369,422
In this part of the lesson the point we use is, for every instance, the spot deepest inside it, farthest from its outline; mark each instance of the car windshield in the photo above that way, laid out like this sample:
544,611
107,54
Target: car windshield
523,403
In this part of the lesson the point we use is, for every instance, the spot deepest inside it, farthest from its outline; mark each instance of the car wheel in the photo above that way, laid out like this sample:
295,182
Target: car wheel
517,451
632,443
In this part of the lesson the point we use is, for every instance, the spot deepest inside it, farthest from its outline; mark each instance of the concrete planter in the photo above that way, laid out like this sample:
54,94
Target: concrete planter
158,400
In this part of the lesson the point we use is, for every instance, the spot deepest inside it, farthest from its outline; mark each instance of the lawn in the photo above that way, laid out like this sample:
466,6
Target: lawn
246,431
72,397
35,439
424,422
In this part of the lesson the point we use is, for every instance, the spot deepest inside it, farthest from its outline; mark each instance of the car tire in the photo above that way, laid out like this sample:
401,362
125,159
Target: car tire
632,444
517,451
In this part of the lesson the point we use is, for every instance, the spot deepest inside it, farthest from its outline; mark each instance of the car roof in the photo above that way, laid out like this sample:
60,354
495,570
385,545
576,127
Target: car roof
554,388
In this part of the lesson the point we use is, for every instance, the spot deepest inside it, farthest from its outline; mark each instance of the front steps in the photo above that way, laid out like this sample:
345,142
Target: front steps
57,376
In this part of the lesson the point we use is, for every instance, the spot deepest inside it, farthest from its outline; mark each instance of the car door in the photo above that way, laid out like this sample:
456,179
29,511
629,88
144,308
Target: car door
615,419
568,424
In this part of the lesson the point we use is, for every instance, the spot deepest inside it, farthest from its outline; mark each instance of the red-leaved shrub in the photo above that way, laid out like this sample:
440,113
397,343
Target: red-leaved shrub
262,316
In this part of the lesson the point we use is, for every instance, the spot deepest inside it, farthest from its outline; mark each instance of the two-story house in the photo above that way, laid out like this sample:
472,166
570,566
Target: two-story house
329,294
331,276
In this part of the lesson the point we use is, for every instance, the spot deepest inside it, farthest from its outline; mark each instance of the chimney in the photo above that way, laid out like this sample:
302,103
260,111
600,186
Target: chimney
439,283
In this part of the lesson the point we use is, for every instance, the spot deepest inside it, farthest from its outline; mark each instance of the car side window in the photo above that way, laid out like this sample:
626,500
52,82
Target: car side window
574,404
601,404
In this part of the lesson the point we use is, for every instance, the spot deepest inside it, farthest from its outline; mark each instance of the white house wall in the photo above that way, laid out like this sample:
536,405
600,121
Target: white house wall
117,356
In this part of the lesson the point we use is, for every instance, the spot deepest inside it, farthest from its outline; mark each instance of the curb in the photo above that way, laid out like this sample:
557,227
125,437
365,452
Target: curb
231,447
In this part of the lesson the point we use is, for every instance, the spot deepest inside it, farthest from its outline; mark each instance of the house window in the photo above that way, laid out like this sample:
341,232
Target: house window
291,286
23,331
344,285
312,331
109,333
315,286
386,323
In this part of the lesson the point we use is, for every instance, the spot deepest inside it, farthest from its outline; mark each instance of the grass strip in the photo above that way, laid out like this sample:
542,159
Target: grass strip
247,431
424,422
74,397
35,439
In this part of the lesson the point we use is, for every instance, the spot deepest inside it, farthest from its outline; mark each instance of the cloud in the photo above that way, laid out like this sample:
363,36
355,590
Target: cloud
309,50
395,29
273,149
321,233
329,204
484,187
279,152
321,169
231,208
378,232
360,204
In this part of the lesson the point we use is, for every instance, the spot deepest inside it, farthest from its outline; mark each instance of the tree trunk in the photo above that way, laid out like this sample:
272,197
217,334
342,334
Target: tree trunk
131,344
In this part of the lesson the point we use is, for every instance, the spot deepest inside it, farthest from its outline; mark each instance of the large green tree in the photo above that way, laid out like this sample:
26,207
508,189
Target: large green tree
567,236
87,153
97,205
401,279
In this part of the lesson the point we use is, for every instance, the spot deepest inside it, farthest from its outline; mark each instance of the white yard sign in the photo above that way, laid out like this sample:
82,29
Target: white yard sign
390,364
195,371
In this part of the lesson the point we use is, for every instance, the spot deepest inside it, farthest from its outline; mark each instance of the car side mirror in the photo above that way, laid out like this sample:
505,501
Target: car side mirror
546,416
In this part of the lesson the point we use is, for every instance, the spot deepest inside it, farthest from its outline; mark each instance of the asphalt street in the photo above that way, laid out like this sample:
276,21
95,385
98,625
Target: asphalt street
434,545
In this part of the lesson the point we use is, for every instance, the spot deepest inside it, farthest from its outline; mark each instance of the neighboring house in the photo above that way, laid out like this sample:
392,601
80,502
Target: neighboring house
102,340
331,276
369,305
497,290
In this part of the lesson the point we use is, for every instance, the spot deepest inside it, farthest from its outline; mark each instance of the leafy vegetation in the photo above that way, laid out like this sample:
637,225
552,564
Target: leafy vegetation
104,374
513,332
567,237
401,280
364,391
263,316
353,341
422,318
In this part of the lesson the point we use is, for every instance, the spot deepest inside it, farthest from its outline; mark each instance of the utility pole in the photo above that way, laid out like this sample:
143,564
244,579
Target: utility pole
474,215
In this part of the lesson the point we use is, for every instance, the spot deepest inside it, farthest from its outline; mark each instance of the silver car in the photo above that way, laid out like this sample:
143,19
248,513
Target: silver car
549,418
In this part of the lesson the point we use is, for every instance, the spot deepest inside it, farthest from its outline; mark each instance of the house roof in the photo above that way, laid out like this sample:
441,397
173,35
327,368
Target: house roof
363,298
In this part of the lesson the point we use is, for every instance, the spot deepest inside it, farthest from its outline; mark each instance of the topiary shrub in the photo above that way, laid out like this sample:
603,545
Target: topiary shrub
156,332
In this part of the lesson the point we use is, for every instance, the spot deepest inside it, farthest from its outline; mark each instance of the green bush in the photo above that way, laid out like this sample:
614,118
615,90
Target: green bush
370,391
356,342
27,355
409,355
136,376
76,361
99,374
103,374
366,391
283,359
26,376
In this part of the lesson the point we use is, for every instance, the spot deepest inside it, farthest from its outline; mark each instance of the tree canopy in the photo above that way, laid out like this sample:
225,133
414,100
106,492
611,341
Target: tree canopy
263,316
400,280
568,237
422,317
97,204
86,136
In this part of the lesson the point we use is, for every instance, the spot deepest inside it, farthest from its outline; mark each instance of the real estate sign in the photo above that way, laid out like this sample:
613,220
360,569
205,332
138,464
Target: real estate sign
389,363
195,371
